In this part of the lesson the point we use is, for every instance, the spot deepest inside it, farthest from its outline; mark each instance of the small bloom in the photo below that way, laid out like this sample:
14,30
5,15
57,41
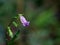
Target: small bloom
23,20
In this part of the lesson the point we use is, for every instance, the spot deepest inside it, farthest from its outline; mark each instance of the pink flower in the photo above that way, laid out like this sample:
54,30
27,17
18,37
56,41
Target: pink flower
23,20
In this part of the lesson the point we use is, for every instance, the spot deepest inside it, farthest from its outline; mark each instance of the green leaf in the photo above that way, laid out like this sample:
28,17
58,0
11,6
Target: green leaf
10,32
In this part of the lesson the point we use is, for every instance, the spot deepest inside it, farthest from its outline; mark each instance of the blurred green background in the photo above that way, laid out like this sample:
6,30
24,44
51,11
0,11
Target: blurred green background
44,20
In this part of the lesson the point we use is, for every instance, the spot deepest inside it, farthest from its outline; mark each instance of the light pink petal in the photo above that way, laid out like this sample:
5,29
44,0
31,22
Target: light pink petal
22,19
